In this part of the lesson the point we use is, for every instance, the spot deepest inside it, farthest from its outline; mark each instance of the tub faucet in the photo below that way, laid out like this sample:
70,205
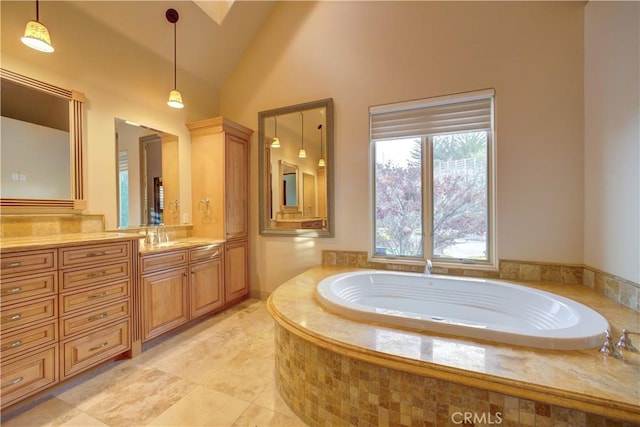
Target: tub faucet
428,267
624,343
608,349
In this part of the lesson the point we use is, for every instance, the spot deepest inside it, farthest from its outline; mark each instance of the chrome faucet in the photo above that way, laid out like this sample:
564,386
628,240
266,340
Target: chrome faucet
428,267
624,343
164,237
608,349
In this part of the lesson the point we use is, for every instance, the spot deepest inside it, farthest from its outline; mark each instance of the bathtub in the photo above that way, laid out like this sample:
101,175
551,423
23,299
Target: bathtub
473,308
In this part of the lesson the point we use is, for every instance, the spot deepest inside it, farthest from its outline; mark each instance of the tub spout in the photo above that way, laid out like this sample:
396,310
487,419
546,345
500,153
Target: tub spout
428,267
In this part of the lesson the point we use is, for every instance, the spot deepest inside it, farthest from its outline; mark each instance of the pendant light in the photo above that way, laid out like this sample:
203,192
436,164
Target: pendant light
302,154
276,141
175,98
36,35
321,162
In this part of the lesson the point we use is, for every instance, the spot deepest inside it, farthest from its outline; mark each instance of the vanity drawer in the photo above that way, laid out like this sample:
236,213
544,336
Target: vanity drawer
94,319
29,338
72,279
163,261
28,287
22,314
80,255
97,296
89,350
205,253
28,262
25,376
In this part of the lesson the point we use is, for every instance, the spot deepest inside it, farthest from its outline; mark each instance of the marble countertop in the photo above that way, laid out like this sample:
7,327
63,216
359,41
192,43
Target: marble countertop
579,379
181,243
13,244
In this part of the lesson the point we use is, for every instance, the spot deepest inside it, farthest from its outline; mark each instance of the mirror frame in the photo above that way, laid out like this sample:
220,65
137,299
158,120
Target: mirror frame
264,169
76,145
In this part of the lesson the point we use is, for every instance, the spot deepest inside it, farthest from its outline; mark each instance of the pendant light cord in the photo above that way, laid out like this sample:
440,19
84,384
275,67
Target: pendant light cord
37,11
175,58
302,115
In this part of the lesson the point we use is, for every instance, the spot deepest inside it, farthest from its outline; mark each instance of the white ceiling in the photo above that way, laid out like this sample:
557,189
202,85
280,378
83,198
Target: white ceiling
205,49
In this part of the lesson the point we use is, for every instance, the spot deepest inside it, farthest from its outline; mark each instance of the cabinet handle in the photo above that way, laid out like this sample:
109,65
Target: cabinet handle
98,316
98,295
12,318
14,382
12,264
97,273
92,254
14,344
98,347
12,291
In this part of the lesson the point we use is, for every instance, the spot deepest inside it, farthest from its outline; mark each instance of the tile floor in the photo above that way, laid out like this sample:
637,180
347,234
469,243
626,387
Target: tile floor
218,372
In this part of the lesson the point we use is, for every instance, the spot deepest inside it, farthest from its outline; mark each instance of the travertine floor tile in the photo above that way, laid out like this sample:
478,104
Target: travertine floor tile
257,416
51,412
83,420
202,407
206,375
243,378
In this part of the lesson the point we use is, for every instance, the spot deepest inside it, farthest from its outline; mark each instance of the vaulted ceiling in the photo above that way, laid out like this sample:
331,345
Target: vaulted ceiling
205,49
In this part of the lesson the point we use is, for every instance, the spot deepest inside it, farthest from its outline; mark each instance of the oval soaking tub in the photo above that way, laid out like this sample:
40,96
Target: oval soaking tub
473,308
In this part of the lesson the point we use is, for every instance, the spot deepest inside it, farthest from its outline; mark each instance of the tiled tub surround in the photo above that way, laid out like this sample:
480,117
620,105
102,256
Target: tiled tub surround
613,287
332,370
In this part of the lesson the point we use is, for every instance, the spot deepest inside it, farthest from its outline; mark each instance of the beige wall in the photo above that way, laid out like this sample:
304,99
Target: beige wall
118,78
368,53
612,138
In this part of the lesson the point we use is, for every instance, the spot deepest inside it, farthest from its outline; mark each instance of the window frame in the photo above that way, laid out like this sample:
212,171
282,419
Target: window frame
426,144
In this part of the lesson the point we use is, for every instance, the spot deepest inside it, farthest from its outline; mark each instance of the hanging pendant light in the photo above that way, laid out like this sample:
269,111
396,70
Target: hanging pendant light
36,35
175,98
302,154
321,162
276,141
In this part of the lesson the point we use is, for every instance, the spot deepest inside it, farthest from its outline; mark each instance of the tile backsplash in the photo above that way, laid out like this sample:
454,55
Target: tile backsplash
48,224
613,287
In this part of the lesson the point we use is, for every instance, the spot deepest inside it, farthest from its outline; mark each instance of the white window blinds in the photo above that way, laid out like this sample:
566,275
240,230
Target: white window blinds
471,111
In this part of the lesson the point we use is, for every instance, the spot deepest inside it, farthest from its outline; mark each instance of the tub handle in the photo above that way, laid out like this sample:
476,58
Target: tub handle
624,343
608,349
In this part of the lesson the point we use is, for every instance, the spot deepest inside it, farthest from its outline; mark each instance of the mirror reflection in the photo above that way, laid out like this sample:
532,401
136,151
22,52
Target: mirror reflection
147,175
295,148
40,144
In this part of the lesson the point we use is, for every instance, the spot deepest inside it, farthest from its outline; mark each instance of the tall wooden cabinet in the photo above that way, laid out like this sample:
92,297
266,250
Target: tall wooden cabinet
220,194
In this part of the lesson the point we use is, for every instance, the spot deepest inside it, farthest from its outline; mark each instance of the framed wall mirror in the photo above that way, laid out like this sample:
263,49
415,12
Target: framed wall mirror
146,175
41,145
295,146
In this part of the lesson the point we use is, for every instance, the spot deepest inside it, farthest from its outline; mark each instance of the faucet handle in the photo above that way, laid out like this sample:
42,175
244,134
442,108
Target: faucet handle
608,349
624,343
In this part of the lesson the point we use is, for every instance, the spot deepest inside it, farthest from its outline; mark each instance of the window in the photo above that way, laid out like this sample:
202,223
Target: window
123,187
433,178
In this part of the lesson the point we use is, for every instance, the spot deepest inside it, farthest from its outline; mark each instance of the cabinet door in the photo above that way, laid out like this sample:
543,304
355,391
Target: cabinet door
236,270
165,304
206,287
237,187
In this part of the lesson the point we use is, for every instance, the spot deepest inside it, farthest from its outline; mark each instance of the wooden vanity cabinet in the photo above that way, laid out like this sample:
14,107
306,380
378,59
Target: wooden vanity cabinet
220,194
95,304
180,285
206,288
29,323
165,286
